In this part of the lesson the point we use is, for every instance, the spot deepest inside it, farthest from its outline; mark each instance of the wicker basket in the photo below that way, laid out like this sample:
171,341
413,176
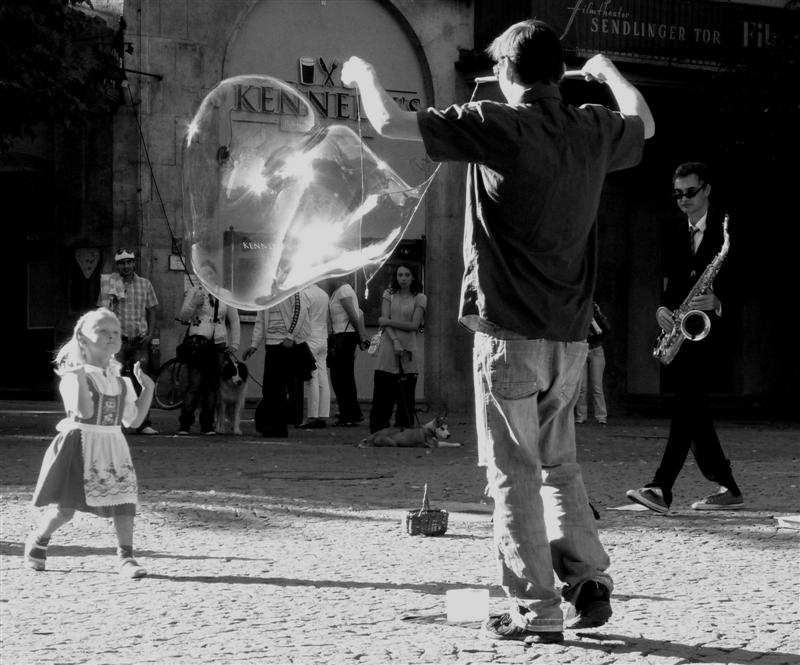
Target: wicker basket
426,521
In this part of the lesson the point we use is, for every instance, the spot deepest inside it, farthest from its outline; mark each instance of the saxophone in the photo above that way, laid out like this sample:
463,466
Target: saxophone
691,324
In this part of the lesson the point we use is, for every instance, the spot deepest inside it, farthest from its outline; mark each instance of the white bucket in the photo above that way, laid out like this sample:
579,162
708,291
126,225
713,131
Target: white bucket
467,604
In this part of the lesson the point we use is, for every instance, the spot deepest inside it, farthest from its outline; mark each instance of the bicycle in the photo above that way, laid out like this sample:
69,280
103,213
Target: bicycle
171,382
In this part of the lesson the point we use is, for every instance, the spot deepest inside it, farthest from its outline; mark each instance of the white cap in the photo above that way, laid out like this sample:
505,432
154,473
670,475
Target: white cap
123,254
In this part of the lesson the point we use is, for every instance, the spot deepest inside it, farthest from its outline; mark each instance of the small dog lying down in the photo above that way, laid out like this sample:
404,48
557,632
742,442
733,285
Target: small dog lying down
231,396
433,434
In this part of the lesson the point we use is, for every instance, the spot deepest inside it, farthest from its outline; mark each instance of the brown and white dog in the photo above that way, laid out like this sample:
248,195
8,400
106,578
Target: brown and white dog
433,434
231,396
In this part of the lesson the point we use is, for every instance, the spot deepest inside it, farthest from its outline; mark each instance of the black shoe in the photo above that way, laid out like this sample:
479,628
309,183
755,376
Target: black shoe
501,627
592,605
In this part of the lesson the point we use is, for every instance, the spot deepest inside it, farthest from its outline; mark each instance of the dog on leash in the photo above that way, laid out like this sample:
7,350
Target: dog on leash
231,396
433,434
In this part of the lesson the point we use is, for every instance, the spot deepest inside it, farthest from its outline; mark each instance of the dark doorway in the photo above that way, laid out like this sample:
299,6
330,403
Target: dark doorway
28,273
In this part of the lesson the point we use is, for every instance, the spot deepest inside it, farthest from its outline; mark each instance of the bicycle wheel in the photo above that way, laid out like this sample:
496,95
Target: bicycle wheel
171,383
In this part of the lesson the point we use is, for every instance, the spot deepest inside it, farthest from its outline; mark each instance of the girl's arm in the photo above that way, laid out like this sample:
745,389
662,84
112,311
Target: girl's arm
145,397
75,394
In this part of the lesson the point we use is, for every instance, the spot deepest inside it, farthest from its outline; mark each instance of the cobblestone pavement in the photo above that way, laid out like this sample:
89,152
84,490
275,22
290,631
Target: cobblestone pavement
293,551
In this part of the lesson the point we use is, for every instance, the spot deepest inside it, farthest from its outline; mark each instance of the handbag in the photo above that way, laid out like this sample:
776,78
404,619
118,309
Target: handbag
193,349
303,361
375,342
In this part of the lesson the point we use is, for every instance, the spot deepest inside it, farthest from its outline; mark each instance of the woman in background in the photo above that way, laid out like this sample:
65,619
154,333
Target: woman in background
402,311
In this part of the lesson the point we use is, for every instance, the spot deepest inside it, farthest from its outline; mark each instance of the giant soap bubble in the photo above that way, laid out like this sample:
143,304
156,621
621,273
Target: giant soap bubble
275,199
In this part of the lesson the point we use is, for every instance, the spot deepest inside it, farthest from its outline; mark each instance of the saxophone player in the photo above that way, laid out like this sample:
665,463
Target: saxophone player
690,247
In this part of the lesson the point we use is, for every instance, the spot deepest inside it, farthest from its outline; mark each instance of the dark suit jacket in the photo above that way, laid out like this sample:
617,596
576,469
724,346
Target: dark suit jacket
682,270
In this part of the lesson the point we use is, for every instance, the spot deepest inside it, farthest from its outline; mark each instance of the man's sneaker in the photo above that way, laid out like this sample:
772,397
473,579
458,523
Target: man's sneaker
147,430
722,500
650,497
183,432
35,556
592,605
501,627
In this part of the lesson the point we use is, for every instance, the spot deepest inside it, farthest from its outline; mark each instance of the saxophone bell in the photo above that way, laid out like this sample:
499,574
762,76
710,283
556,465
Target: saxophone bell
695,325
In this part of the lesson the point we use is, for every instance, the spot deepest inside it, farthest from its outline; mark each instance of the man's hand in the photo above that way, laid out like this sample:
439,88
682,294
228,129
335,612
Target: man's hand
354,70
600,68
705,302
249,352
664,318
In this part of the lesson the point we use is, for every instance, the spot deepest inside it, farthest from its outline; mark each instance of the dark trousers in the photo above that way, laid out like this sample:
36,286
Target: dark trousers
691,427
390,390
135,350
202,389
272,411
342,358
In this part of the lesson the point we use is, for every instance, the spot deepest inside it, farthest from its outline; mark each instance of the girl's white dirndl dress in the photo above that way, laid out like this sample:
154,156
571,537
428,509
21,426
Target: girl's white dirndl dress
88,465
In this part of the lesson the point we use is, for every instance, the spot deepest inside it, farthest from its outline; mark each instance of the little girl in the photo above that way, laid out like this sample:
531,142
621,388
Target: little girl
88,465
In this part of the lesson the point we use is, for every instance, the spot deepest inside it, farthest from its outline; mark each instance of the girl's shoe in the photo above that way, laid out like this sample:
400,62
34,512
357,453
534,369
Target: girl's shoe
129,567
35,556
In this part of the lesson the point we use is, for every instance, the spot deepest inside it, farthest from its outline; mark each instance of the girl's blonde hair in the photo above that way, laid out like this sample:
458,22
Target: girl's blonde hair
71,355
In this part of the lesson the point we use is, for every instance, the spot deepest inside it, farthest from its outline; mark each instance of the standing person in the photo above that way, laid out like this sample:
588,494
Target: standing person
217,326
592,379
347,334
395,379
691,427
535,174
318,387
280,327
133,299
88,465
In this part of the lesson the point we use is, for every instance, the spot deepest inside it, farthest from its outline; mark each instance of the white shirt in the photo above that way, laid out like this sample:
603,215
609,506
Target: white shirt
317,314
701,229
340,320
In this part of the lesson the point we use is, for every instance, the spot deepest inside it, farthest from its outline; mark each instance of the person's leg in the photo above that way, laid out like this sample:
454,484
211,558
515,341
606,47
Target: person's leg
276,398
312,389
324,385
128,566
338,369
581,406
35,551
406,392
597,365
212,366
294,389
383,393
259,416
349,409
509,385
575,547
680,430
191,398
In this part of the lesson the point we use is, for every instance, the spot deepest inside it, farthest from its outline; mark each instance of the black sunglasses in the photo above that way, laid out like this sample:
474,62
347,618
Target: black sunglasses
690,193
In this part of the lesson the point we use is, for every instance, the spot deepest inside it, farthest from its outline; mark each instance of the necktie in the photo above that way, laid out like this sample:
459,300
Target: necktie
693,231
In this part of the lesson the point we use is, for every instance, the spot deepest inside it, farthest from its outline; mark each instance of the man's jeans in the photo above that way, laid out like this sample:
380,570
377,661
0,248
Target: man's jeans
525,393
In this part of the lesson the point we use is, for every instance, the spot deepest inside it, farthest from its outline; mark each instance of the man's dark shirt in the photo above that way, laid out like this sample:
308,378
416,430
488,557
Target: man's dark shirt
536,171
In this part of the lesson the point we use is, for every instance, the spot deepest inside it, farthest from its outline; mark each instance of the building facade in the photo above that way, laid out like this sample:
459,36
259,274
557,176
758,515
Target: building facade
428,54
